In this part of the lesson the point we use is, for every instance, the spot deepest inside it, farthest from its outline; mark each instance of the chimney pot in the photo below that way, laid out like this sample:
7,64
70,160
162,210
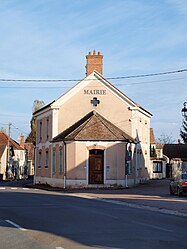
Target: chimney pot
179,141
94,62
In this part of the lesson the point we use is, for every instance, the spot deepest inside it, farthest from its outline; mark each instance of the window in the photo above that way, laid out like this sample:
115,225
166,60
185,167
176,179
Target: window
21,155
40,132
54,161
47,129
46,159
60,160
184,176
39,159
157,167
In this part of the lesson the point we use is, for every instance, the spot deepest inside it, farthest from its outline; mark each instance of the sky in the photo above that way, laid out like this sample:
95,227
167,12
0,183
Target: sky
49,39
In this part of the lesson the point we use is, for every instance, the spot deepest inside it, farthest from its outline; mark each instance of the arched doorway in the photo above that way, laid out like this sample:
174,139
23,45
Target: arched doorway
96,166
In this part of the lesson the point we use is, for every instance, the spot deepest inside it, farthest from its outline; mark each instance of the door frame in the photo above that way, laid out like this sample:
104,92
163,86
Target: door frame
104,165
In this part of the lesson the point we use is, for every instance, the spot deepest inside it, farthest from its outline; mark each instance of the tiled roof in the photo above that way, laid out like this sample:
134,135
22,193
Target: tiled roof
93,127
175,151
152,137
2,149
4,140
159,146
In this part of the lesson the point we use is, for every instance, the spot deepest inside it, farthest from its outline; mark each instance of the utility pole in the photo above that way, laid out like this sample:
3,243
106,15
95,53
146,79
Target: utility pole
8,150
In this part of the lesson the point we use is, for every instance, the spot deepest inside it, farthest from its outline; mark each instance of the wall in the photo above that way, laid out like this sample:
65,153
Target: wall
3,163
111,107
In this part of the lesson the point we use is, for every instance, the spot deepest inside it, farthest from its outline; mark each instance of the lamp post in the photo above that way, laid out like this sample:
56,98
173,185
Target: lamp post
184,110
183,130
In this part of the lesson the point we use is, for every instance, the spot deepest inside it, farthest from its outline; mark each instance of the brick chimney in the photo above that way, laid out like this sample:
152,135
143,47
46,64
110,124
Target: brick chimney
94,62
21,141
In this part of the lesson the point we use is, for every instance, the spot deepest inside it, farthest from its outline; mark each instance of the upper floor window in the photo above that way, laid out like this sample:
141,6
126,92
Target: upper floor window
21,155
47,129
40,132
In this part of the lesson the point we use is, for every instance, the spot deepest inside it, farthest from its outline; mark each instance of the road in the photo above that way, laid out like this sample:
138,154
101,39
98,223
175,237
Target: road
38,219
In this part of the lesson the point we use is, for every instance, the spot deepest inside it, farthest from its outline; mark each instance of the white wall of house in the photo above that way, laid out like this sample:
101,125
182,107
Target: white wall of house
19,162
3,164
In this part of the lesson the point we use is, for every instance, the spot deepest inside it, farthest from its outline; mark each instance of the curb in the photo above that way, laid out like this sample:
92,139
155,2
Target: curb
126,204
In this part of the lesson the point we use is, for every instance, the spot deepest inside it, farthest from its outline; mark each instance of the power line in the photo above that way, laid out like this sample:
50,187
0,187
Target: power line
3,124
108,78
16,128
118,84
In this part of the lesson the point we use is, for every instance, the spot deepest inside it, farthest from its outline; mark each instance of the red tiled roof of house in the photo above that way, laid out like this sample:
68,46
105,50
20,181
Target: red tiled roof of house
4,141
93,127
152,137
2,149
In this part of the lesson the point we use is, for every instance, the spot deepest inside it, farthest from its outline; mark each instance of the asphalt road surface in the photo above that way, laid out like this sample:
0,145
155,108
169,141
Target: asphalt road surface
38,219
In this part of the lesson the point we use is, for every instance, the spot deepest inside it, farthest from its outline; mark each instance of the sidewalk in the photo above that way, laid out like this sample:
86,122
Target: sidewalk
153,195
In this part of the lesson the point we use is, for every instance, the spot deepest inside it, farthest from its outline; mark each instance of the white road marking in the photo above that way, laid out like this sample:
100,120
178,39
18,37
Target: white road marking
16,225
14,188
25,188
2,188
152,226
59,247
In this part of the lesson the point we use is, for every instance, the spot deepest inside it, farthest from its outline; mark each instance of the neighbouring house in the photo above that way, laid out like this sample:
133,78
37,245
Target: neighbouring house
93,135
176,158
29,150
12,166
157,159
3,161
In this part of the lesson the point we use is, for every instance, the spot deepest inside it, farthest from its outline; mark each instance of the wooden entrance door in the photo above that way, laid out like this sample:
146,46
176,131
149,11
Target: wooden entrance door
96,166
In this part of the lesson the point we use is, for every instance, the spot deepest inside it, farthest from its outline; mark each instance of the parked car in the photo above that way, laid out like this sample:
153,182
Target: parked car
178,185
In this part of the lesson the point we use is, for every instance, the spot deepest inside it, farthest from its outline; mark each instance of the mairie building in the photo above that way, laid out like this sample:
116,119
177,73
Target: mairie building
92,136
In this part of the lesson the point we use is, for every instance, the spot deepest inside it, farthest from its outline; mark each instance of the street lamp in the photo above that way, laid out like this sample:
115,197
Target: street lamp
184,110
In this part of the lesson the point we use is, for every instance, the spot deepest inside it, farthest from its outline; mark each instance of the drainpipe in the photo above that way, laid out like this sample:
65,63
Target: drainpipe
136,164
126,177
34,165
64,164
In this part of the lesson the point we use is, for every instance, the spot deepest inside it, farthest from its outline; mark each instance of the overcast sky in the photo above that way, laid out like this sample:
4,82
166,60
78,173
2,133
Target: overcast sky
48,39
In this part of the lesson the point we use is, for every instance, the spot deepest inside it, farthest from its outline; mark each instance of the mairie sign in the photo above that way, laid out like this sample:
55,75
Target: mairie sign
94,92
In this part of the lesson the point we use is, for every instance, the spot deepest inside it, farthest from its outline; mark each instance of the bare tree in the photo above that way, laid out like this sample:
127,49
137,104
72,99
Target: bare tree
165,139
37,104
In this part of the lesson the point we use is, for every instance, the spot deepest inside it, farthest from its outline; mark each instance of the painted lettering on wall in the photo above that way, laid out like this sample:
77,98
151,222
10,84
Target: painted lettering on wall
94,92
